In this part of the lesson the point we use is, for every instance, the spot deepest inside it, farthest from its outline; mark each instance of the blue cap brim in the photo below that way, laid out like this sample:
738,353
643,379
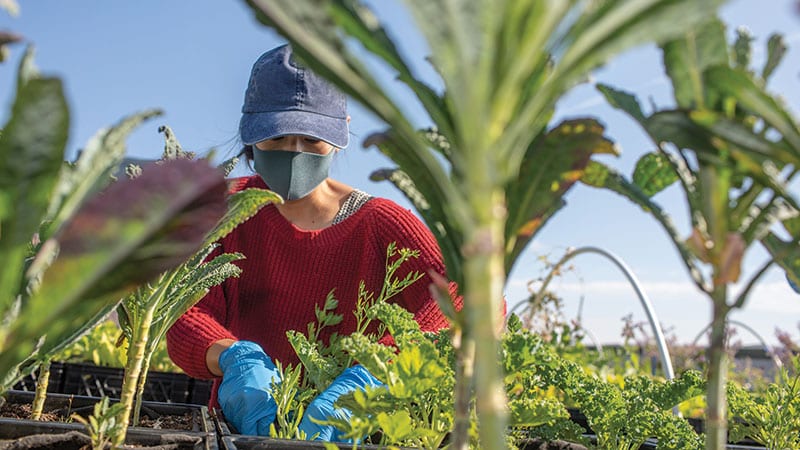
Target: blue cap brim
256,127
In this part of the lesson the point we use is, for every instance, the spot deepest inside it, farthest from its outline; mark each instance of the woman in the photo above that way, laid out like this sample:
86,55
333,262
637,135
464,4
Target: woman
325,236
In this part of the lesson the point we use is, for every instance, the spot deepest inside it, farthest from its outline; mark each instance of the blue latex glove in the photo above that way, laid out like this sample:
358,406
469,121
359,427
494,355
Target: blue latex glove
321,408
244,394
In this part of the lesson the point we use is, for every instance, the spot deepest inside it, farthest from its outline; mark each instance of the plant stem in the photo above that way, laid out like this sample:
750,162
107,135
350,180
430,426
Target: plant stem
42,381
464,371
716,422
484,278
133,368
137,403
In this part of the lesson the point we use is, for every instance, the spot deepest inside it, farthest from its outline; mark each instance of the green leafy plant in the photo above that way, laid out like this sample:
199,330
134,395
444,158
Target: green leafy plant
773,418
69,253
100,346
786,252
149,311
414,407
102,426
490,170
323,361
732,147
291,396
103,346
77,181
624,417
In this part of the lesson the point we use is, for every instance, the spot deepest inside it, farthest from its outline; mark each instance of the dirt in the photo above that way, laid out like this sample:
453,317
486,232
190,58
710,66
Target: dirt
76,440
183,422
23,411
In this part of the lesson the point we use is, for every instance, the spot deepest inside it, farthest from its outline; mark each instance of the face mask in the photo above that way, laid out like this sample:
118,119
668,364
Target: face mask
292,175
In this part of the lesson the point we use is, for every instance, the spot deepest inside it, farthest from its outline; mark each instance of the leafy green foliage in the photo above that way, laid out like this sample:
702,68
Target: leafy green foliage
102,346
551,165
420,379
319,369
733,147
99,346
323,361
70,254
419,383
89,271
102,426
786,252
771,419
503,66
414,408
91,172
31,149
290,398
148,312
623,417
653,173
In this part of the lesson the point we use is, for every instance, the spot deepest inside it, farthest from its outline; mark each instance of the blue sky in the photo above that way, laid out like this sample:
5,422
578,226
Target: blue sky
192,59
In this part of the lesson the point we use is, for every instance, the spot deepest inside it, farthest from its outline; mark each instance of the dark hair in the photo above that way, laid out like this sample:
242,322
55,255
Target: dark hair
247,153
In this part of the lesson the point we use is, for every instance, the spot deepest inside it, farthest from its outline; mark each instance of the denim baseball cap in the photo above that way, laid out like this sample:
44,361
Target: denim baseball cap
283,98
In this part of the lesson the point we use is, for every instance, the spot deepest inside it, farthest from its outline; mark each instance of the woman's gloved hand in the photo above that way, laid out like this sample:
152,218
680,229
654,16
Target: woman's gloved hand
321,408
244,394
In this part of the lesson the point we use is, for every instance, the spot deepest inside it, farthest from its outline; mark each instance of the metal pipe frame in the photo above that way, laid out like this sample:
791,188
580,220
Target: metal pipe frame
661,342
775,360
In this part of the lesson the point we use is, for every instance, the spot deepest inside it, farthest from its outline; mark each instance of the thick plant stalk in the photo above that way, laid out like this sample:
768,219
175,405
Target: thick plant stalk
464,370
133,368
42,381
137,403
484,278
716,422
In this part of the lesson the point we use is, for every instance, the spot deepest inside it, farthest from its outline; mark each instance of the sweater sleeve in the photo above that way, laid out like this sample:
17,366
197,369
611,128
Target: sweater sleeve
203,324
193,333
190,337
403,228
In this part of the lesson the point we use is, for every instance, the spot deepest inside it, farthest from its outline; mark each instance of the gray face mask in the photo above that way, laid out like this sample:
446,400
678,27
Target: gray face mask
292,175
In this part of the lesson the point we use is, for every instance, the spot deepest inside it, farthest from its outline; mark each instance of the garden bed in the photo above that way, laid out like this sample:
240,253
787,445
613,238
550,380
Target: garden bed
698,425
162,425
229,440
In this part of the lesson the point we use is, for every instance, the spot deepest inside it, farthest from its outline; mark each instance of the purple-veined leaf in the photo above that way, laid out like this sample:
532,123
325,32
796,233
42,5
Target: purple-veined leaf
92,171
126,235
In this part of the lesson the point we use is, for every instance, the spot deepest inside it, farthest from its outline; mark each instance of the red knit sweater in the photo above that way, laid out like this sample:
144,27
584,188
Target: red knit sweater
288,271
